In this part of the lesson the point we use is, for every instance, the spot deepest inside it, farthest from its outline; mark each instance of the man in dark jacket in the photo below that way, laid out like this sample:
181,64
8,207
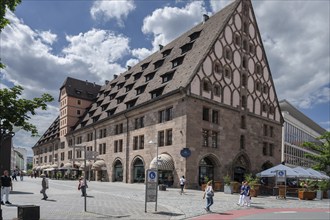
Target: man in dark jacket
6,186
44,184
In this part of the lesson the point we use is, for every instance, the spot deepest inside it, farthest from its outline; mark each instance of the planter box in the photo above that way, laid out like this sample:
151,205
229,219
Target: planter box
228,189
319,194
306,195
28,212
217,185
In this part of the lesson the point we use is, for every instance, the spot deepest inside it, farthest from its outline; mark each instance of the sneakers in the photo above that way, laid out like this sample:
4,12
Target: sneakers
8,203
2,203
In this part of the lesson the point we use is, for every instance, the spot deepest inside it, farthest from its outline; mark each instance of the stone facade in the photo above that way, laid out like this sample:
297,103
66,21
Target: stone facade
209,92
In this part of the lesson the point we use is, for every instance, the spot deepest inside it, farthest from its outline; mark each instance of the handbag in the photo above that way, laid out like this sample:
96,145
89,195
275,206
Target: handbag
210,194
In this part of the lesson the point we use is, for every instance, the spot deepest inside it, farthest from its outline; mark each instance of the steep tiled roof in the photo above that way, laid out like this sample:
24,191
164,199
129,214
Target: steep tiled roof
80,89
165,71
51,133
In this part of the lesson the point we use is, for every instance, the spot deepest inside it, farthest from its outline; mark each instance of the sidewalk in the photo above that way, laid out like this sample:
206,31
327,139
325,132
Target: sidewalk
126,201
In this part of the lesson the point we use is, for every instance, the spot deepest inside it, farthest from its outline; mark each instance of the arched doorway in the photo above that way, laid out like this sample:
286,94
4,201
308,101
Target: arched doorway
206,170
165,168
138,171
118,171
241,167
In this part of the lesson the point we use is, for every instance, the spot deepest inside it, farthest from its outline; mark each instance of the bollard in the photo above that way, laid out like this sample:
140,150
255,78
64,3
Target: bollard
28,212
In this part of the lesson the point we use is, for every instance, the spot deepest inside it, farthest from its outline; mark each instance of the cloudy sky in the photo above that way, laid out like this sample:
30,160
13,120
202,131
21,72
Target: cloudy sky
92,40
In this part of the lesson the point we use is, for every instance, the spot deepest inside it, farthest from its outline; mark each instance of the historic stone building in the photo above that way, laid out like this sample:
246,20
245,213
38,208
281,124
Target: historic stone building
208,95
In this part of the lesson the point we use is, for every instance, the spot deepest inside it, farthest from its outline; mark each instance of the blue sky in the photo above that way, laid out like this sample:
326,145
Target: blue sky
93,40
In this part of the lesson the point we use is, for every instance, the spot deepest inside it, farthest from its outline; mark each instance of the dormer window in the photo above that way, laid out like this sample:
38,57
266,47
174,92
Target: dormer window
166,52
167,76
157,92
129,87
107,93
120,85
98,103
137,75
150,76
177,61
218,68
96,118
121,99
127,76
144,66
78,91
105,106
159,63
195,35
227,72
131,103
113,95
113,85
140,89
111,111
91,113
185,48
227,54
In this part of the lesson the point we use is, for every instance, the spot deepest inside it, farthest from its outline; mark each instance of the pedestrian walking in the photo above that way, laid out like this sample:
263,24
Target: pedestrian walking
182,184
246,196
241,195
82,186
6,186
14,175
44,185
208,193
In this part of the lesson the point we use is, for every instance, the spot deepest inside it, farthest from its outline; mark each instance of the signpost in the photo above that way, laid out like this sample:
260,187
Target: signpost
151,187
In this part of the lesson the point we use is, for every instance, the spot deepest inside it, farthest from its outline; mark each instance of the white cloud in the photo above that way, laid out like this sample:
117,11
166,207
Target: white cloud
141,53
296,41
168,23
47,37
112,9
217,5
132,62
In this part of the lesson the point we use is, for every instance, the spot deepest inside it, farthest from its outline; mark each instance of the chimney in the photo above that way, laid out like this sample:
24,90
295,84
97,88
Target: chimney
107,82
86,82
115,76
206,17
129,67
161,47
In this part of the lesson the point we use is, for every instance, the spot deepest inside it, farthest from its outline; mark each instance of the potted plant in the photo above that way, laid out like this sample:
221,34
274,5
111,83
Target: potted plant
227,186
323,187
307,191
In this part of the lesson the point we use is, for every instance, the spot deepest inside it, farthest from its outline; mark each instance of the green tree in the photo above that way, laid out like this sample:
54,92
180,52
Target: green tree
4,4
16,111
323,157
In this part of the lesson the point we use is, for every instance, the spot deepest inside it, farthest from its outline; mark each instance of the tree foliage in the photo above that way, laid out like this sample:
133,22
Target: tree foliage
4,4
323,157
16,111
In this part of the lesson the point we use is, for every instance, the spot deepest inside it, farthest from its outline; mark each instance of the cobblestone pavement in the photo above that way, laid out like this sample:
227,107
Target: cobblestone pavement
126,201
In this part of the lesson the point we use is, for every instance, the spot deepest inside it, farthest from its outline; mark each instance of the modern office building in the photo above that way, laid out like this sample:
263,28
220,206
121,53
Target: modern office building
297,129
205,104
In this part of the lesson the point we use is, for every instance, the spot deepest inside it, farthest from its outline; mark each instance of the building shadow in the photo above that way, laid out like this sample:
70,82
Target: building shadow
20,192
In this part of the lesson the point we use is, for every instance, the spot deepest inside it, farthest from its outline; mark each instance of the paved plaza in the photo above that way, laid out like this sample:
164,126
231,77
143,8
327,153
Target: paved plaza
126,201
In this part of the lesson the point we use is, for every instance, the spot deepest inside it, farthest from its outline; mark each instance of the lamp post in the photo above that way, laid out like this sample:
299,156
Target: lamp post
5,153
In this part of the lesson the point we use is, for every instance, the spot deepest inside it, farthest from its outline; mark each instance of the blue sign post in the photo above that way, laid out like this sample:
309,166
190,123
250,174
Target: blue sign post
151,187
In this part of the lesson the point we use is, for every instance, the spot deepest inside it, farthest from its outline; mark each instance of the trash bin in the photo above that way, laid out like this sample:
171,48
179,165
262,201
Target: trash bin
162,187
28,212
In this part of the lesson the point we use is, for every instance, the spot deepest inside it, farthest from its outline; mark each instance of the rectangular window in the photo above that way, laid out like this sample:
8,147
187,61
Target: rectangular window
271,150
264,149
265,130
45,159
62,156
169,137
78,154
141,145
119,129
215,117
120,145
271,131
214,139
243,122
161,138
70,154
116,146
139,123
242,142
205,134
165,115
206,114
135,142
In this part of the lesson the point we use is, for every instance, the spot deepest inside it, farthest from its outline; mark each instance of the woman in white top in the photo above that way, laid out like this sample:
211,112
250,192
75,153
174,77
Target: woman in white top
209,193
182,183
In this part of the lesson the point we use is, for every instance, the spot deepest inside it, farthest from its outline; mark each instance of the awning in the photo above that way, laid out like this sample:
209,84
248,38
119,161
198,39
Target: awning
98,165
165,162
54,165
67,165
88,165
49,169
